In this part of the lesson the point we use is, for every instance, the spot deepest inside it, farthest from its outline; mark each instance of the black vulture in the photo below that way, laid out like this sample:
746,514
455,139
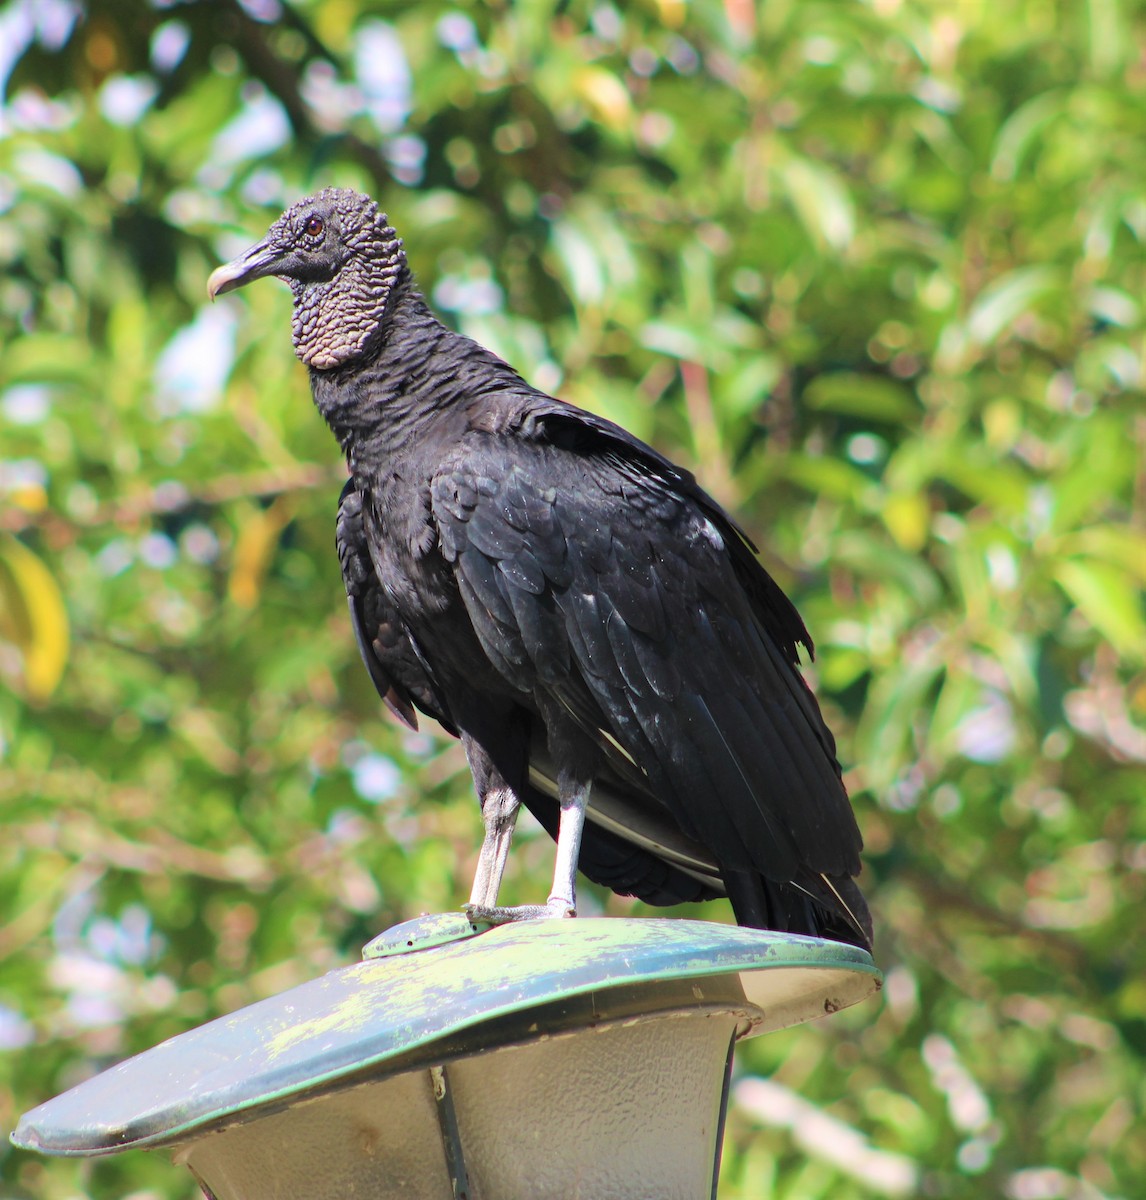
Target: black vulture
572,605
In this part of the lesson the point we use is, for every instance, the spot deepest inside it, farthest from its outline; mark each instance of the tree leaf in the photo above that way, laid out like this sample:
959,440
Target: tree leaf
1118,545
1008,297
1021,130
580,261
33,618
1109,599
605,94
821,202
254,548
907,516
827,476
852,394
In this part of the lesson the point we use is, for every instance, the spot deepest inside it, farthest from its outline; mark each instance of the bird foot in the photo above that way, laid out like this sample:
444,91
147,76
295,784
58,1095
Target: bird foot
556,907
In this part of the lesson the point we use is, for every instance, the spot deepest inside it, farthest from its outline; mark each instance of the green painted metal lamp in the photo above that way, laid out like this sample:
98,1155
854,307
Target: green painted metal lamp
536,1060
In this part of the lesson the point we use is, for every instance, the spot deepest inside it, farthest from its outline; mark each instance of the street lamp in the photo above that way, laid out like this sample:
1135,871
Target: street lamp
542,1059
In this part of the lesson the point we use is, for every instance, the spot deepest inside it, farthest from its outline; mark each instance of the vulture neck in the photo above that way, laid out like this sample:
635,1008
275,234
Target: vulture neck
413,372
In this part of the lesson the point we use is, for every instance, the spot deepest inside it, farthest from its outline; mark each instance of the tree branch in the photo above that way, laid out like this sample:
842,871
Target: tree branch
172,496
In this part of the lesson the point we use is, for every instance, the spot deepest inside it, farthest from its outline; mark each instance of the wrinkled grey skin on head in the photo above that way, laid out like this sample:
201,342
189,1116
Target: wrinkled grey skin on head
341,277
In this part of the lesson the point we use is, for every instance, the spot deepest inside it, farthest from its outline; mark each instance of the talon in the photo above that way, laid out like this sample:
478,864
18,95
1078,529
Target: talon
558,906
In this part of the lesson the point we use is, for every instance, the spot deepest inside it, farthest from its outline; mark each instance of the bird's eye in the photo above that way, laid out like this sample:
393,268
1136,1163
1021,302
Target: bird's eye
314,226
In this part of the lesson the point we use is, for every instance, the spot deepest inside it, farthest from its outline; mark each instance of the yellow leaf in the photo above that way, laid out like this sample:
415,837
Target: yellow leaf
31,497
605,94
32,618
254,549
672,13
907,516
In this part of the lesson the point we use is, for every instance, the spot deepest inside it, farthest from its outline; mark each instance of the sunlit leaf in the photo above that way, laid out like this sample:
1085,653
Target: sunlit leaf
747,388
907,516
839,668
1000,485
851,394
580,261
829,476
605,93
959,694
676,340
46,358
870,555
33,618
897,706
821,200
1021,129
1109,599
1115,306
254,548
1119,545
1007,298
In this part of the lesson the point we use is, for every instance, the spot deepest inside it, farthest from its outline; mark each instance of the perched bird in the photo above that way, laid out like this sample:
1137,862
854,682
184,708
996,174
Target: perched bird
590,623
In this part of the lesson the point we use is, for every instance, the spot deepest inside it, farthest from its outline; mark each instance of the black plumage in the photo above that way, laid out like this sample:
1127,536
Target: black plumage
590,622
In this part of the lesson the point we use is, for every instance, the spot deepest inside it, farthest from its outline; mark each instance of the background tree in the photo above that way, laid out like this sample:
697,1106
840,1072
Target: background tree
873,268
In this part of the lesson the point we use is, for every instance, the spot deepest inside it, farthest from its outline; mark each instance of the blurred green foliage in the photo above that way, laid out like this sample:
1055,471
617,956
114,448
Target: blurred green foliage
874,269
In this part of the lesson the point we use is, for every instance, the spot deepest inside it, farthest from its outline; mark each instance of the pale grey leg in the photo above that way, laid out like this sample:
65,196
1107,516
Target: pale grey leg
499,812
562,900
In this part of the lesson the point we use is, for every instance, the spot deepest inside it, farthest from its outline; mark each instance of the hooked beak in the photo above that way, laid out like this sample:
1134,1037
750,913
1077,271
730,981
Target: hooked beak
258,262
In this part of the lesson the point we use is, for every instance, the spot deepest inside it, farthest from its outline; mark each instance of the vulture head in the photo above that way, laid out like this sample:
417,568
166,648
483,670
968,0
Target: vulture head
341,258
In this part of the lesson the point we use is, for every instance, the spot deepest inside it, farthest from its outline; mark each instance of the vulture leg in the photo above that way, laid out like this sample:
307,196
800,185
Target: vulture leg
562,900
499,813
574,801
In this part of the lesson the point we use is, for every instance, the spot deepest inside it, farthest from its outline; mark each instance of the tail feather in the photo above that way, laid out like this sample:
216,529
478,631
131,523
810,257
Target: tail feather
817,906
